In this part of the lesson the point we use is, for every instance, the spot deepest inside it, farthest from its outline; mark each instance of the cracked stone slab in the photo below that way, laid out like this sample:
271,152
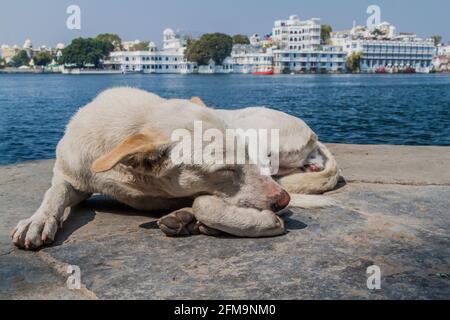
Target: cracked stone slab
24,276
122,255
324,255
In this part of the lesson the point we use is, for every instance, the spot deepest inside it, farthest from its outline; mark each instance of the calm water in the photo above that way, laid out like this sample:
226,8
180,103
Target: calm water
372,109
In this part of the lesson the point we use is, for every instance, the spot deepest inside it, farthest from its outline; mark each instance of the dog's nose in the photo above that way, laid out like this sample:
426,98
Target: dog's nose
281,202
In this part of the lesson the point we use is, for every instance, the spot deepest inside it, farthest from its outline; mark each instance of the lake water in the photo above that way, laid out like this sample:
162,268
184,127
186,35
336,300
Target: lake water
369,109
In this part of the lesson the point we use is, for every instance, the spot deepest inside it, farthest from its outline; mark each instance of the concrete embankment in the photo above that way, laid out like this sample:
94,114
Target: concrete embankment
393,212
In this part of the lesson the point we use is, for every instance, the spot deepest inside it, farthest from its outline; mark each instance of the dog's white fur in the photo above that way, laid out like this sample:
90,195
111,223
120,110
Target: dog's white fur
118,145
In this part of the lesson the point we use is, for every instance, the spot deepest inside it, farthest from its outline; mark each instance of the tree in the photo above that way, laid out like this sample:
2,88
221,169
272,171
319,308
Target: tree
378,32
325,33
354,61
114,39
437,39
84,51
141,46
42,58
2,63
240,39
20,59
215,46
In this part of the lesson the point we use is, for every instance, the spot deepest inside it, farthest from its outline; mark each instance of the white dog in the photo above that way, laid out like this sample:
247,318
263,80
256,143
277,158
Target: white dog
119,145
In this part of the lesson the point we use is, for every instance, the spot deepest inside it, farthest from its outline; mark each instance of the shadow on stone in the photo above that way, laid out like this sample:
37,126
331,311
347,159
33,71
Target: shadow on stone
85,212
149,225
340,184
79,216
292,224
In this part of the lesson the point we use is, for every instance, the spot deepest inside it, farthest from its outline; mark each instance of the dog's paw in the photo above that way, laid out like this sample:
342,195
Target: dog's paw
34,232
182,223
179,223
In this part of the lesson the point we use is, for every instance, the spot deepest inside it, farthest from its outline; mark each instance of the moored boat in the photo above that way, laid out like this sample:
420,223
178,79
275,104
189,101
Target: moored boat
263,71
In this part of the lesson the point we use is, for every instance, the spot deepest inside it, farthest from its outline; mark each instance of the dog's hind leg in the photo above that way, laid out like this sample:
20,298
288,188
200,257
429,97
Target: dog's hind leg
41,227
313,182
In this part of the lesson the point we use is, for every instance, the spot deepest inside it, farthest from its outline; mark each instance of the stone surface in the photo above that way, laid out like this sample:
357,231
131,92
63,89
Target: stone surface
393,213
394,164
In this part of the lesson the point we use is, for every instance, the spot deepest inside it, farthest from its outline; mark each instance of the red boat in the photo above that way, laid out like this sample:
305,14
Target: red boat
409,70
263,71
381,70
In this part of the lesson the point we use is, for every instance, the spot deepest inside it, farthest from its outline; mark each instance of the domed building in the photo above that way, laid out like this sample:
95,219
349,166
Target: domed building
152,47
28,44
171,40
168,59
28,47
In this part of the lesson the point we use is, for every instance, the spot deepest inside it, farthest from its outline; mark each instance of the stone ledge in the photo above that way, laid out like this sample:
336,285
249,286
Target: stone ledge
393,213
394,164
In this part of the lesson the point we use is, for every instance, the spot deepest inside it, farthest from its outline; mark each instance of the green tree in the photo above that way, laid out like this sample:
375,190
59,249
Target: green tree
84,51
325,33
378,32
354,62
20,59
240,39
42,58
437,39
141,46
2,63
215,46
114,39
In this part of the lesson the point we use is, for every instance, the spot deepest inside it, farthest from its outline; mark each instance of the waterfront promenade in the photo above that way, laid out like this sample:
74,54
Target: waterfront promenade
392,212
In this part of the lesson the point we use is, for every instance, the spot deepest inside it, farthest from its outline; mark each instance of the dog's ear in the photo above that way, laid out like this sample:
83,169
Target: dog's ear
143,151
198,101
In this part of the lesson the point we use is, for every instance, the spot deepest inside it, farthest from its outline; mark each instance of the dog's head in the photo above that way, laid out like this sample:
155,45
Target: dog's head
149,156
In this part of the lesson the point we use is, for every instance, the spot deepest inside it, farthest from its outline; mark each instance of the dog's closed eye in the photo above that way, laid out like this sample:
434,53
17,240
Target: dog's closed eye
227,170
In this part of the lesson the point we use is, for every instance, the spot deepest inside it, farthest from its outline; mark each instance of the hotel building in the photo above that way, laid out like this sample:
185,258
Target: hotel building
381,49
299,49
327,60
294,34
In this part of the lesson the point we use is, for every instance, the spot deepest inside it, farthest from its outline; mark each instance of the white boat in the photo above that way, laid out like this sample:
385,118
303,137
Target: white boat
78,71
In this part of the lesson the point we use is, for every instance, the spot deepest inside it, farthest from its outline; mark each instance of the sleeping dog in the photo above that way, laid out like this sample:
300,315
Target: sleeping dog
120,145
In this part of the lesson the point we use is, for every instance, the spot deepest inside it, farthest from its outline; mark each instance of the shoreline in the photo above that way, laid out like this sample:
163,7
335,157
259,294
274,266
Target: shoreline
107,72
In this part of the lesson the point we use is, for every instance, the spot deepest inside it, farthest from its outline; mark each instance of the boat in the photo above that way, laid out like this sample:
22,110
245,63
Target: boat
409,70
263,71
381,70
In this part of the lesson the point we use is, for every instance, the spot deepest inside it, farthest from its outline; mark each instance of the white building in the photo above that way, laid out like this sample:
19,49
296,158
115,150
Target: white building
8,52
250,58
294,34
443,50
382,49
329,59
169,59
299,48
225,68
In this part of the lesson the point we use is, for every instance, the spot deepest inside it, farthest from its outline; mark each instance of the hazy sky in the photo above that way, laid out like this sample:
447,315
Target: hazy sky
44,21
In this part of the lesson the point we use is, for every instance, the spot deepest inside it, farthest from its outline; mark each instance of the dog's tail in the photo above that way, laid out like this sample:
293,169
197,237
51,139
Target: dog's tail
314,182
306,201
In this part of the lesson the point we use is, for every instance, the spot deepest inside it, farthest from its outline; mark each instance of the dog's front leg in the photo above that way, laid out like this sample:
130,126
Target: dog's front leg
237,221
41,227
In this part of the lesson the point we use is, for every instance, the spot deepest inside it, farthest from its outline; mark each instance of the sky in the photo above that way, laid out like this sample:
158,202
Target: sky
44,21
